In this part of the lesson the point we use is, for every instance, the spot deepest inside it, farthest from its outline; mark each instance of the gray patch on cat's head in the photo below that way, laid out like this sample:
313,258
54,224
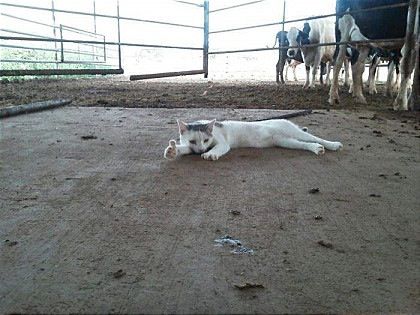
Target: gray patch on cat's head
218,124
198,126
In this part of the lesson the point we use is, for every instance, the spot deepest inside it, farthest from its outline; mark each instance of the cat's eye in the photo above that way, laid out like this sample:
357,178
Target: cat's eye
193,142
206,140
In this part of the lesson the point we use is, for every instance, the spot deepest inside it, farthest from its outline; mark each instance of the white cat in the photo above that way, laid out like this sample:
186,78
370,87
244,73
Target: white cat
214,139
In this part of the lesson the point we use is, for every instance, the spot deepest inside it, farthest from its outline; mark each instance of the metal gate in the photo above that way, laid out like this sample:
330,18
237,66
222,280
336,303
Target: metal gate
90,48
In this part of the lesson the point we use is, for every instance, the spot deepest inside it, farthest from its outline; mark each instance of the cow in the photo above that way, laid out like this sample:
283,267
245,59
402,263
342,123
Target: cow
314,32
388,23
281,37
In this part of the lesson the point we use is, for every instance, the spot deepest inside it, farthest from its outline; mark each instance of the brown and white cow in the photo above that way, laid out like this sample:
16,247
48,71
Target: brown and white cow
387,24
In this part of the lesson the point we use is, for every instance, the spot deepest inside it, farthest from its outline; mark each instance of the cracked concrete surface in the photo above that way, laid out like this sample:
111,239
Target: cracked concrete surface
106,225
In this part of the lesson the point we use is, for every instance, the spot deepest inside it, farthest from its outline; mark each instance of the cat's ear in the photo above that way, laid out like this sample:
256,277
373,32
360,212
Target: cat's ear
182,126
210,126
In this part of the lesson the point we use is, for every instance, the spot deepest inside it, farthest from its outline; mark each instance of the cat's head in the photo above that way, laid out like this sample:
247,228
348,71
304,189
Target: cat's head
198,135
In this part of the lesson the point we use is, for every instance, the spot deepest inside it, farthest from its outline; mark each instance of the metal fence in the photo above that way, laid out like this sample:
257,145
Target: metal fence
67,53
284,22
99,47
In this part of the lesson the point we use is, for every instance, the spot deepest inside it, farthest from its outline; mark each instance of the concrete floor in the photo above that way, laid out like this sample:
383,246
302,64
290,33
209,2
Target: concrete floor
107,225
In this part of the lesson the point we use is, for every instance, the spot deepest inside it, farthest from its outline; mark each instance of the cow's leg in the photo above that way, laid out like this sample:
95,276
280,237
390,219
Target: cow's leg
408,54
317,63
328,81
414,99
346,73
321,72
396,83
283,66
286,70
389,78
407,67
372,75
334,98
294,72
307,68
358,69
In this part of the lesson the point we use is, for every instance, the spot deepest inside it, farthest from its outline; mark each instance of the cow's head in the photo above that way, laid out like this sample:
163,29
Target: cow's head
298,38
281,37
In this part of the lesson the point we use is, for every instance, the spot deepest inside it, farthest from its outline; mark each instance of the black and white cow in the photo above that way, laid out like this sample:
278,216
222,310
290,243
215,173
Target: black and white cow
319,31
281,37
380,24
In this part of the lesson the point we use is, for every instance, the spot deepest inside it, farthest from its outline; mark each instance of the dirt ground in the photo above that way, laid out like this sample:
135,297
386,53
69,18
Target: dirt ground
94,220
191,92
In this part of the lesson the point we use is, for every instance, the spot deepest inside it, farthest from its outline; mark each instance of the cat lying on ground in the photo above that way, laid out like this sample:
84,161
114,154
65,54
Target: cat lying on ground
213,139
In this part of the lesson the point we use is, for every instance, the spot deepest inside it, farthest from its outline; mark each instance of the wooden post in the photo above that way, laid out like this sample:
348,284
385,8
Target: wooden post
206,39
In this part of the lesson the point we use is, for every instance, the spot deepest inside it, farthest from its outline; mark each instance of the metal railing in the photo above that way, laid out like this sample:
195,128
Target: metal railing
62,51
205,29
284,22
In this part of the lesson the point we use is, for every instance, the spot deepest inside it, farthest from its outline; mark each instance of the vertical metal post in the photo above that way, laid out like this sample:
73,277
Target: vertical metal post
105,50
284,14
61,43
119,35
94,48
54,32
94,16
206,39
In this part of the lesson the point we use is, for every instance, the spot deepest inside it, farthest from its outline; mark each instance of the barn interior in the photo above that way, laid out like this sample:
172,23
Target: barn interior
93,219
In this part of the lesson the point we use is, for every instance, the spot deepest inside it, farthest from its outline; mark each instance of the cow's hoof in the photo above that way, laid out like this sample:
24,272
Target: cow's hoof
361,100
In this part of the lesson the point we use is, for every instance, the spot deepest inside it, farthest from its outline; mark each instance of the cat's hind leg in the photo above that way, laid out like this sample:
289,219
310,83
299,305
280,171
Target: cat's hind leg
307,137
289,143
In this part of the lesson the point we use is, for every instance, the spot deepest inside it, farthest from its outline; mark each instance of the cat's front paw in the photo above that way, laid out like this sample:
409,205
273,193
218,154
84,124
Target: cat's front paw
210,156
171,151
318,149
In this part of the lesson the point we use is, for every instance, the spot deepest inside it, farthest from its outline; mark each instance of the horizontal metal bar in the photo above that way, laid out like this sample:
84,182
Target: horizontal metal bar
95,42
164,75
68,28
80,31
39,36
98,15
27,20
23,33
30,48
191,3
235,6
56,62
68,51
398,5
247,27
60,72
359,42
